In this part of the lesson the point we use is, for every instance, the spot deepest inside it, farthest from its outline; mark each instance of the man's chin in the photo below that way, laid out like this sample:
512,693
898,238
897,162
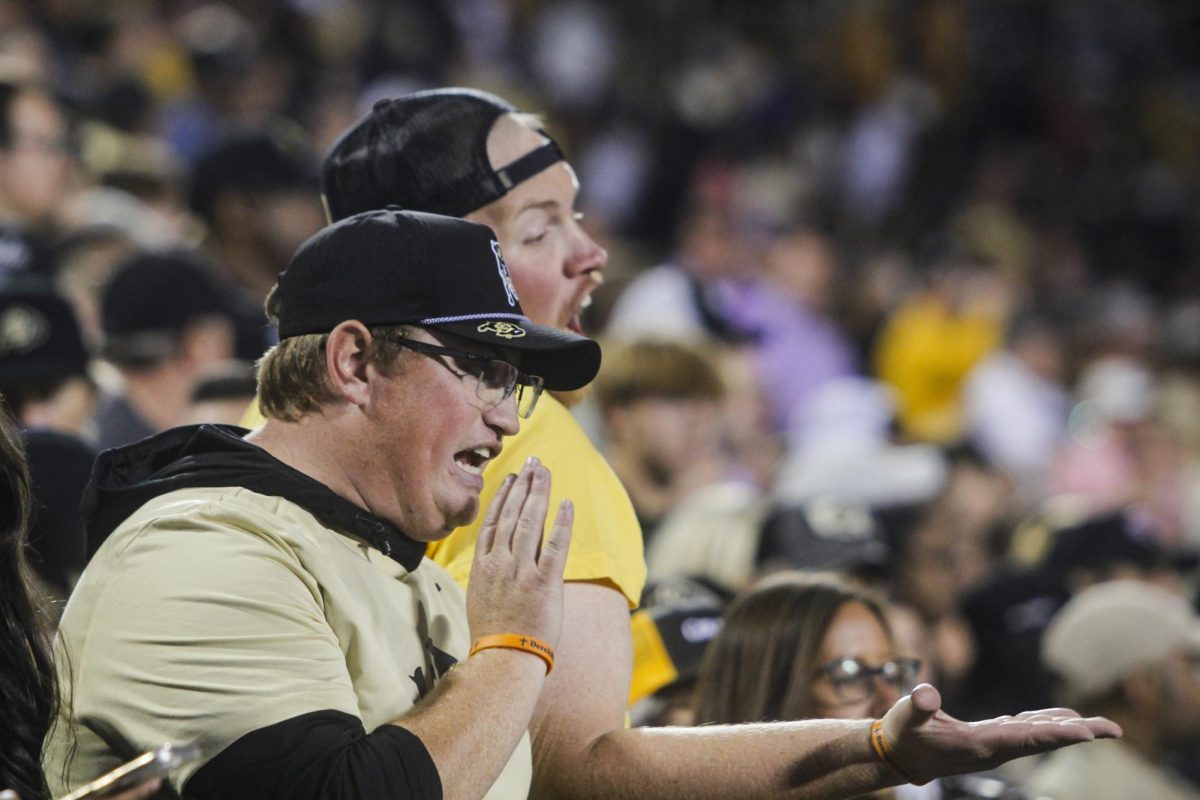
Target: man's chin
464,517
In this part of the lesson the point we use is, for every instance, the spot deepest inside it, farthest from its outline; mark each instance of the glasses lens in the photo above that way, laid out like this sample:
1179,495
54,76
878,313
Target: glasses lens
901,673
494,382
527,395
851,680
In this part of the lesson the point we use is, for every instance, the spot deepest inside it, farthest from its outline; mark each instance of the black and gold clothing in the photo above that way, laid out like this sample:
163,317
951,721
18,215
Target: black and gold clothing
244,606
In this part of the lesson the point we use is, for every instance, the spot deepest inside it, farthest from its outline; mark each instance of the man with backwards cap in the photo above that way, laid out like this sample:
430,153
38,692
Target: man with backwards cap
266,595
470,154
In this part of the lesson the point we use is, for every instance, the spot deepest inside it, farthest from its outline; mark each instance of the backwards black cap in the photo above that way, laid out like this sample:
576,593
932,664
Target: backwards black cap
427,152
394,267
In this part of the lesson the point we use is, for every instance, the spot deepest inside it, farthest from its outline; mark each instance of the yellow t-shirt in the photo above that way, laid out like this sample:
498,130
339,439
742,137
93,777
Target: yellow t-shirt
925,353
606,545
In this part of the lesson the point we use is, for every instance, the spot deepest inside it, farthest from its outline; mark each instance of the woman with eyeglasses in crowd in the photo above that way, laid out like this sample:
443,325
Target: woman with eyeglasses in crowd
802,645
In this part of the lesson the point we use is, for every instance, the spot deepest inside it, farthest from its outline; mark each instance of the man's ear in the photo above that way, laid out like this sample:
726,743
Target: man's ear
346,361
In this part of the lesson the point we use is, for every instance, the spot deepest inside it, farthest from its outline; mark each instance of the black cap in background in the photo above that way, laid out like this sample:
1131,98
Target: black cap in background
426,152
39,337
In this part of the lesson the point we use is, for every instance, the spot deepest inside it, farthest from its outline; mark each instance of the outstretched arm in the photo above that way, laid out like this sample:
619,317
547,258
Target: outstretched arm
581,749
929,743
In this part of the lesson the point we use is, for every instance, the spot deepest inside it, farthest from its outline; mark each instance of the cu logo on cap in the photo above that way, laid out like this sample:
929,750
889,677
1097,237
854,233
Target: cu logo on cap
22,329
505,330
505,278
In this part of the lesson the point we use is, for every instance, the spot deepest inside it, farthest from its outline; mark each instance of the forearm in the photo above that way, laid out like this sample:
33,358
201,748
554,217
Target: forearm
810,759
582,750
475,718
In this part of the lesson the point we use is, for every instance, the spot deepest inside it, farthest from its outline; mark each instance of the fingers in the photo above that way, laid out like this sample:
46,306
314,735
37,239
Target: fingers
487,531
554,554
527,538
1100,727
1048,712
514,502
1103,727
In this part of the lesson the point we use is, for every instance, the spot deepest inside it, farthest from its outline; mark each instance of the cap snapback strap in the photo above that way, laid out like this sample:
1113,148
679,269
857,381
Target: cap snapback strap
529,165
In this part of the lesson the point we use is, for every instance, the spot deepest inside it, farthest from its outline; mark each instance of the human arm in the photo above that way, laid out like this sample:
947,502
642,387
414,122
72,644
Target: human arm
456,740
480,710
581,752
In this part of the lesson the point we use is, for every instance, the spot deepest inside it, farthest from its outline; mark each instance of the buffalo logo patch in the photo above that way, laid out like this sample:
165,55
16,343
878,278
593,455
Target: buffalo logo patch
22,329
505,330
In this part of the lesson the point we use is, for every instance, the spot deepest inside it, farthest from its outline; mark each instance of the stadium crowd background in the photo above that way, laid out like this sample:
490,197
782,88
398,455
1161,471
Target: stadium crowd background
910,290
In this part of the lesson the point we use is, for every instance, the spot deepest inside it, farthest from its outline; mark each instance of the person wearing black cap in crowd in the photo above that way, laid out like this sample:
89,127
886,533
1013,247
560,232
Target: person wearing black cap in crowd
267,595
255,192
167,318
44,382
467,153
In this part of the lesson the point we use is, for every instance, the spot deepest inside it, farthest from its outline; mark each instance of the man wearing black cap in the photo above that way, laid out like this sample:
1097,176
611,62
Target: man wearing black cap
266,595
44,382
167,319
466,153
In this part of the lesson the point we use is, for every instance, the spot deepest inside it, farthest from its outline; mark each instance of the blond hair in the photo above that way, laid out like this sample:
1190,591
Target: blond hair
292,376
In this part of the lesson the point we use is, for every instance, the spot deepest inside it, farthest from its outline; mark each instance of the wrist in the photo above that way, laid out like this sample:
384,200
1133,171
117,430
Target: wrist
885,753
518,642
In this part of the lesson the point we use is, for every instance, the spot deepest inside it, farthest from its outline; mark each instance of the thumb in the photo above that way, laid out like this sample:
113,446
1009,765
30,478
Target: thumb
912,712
925,702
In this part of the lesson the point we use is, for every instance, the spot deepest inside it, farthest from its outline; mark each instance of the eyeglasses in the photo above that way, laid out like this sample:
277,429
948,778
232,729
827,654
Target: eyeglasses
494,380
853,681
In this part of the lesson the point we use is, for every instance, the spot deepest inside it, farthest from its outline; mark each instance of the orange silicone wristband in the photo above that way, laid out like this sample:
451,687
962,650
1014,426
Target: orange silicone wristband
516,641
883,749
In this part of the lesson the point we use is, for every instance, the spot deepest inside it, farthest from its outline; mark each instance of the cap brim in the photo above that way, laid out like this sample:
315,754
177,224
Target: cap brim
562,359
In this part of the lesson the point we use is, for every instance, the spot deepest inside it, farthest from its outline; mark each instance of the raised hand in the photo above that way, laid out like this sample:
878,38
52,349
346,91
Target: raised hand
516,582
929,743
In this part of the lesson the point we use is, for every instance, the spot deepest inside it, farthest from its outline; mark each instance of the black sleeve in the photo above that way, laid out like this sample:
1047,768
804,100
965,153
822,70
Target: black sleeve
322,754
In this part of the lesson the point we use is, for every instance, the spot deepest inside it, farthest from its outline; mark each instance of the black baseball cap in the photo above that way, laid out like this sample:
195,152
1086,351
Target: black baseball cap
40,337
824,534
394,267
1115,537
249,161
152,297
425,151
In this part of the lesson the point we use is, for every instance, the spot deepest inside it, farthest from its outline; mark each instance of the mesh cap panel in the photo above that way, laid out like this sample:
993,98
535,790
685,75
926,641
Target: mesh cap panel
425,151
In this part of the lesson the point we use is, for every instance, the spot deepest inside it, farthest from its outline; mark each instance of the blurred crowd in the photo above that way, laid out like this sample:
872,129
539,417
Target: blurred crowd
909,292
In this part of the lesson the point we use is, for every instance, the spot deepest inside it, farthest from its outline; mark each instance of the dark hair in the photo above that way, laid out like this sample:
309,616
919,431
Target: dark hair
759,667
28,688
20,394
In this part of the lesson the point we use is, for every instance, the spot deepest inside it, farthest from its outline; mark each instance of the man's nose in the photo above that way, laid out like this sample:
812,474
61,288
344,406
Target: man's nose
503,417
586,255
